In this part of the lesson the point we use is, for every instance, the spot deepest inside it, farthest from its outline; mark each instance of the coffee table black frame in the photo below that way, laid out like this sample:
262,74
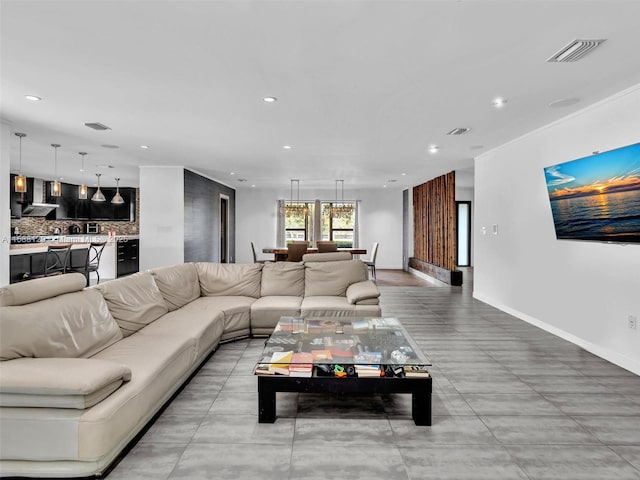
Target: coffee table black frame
419,388
361,333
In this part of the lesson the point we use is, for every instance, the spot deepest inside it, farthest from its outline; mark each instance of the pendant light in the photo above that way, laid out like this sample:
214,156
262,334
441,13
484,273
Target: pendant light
117,198
340,209
98,196
20,180
293,208
55,185
82,189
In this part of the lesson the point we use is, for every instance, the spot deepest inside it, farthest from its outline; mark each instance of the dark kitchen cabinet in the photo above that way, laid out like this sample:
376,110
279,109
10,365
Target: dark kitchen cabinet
72,208
127,257
109,211
24,266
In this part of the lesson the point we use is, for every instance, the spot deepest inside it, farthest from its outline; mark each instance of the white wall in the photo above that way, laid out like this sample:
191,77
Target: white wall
161,216
380,220
582,291
5,211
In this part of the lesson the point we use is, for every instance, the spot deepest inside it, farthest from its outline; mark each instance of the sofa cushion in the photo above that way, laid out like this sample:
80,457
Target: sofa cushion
236,310
59,382
76,324
332,278
282,278
40,289
336,307
134,301
266,311
230,279
178,284
326,257
361,291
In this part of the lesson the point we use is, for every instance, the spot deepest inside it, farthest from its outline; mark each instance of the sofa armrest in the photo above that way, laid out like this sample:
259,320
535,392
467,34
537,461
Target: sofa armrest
59,382
361,291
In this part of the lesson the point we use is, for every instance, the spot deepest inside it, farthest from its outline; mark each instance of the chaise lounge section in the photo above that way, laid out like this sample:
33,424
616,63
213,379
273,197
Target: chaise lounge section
83,370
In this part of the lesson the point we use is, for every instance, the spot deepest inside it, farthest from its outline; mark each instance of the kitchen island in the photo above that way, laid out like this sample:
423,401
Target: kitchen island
119,257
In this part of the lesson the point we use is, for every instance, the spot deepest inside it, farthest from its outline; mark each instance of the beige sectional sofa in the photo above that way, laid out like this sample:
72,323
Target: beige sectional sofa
84,369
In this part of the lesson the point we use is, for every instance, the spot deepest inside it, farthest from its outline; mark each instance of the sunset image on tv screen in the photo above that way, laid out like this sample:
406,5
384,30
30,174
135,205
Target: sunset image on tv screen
597,197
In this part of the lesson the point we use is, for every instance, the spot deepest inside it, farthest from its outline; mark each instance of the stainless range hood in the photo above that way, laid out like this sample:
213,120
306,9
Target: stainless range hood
38,209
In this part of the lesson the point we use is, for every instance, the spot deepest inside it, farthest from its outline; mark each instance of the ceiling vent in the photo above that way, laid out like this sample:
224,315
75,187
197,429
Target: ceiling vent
458,131
575,50
97,126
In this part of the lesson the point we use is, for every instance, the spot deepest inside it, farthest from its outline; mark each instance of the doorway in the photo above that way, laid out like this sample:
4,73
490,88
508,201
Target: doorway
463,233
224,229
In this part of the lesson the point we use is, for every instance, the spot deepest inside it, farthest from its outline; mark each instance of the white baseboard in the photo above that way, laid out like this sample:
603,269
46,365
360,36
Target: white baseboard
608,354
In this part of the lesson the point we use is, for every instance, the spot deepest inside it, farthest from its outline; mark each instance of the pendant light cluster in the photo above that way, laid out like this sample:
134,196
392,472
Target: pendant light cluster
20,183
340,209
294,208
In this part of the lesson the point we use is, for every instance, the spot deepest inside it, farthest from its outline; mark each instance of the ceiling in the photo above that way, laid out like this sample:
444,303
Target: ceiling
363,88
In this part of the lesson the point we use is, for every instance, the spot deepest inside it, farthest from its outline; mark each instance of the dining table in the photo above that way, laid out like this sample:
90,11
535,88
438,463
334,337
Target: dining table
281,253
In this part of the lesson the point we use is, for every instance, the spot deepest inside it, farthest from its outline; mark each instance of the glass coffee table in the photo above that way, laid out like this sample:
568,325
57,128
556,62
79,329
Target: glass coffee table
342,356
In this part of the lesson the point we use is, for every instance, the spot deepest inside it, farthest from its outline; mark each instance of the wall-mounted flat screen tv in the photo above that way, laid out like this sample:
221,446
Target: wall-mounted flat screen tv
597,197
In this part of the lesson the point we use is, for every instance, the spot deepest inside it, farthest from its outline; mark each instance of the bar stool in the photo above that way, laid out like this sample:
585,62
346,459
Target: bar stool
92,262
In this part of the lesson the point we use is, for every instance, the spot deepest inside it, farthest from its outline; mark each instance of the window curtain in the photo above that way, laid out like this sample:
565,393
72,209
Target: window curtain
356,224
281,224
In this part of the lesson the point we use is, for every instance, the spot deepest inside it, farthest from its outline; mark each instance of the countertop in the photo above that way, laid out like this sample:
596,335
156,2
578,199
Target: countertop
77,241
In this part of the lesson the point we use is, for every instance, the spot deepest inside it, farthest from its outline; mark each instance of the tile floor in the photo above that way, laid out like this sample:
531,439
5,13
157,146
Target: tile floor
510,402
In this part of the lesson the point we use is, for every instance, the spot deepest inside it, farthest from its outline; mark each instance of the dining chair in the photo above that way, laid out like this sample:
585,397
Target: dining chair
296,251
326,246
255,255
371,263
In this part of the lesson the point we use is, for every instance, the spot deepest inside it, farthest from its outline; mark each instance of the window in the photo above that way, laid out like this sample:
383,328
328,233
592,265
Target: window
339,228
298,227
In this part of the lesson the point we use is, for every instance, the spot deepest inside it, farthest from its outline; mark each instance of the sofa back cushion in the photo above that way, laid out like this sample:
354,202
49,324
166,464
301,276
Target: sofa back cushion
178,284
72,325
229,279
282,278
332,278
41,288
134,301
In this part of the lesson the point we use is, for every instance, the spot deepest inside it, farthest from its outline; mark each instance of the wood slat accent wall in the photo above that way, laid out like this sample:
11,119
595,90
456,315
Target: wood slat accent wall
434,221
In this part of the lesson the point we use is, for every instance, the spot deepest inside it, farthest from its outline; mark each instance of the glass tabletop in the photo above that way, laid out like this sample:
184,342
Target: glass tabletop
377,346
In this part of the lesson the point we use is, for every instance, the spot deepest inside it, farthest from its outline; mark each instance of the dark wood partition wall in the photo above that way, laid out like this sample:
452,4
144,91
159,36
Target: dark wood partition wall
434,227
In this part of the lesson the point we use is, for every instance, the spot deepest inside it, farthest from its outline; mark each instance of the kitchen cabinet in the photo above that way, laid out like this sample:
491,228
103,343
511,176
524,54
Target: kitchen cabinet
73,208
127,257
25,265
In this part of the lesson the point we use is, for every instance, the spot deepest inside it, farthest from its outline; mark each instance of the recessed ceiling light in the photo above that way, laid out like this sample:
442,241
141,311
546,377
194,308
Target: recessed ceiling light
287,147
232,173
33,98
269,99
403,174
499,102
434,149
146,147
253,186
